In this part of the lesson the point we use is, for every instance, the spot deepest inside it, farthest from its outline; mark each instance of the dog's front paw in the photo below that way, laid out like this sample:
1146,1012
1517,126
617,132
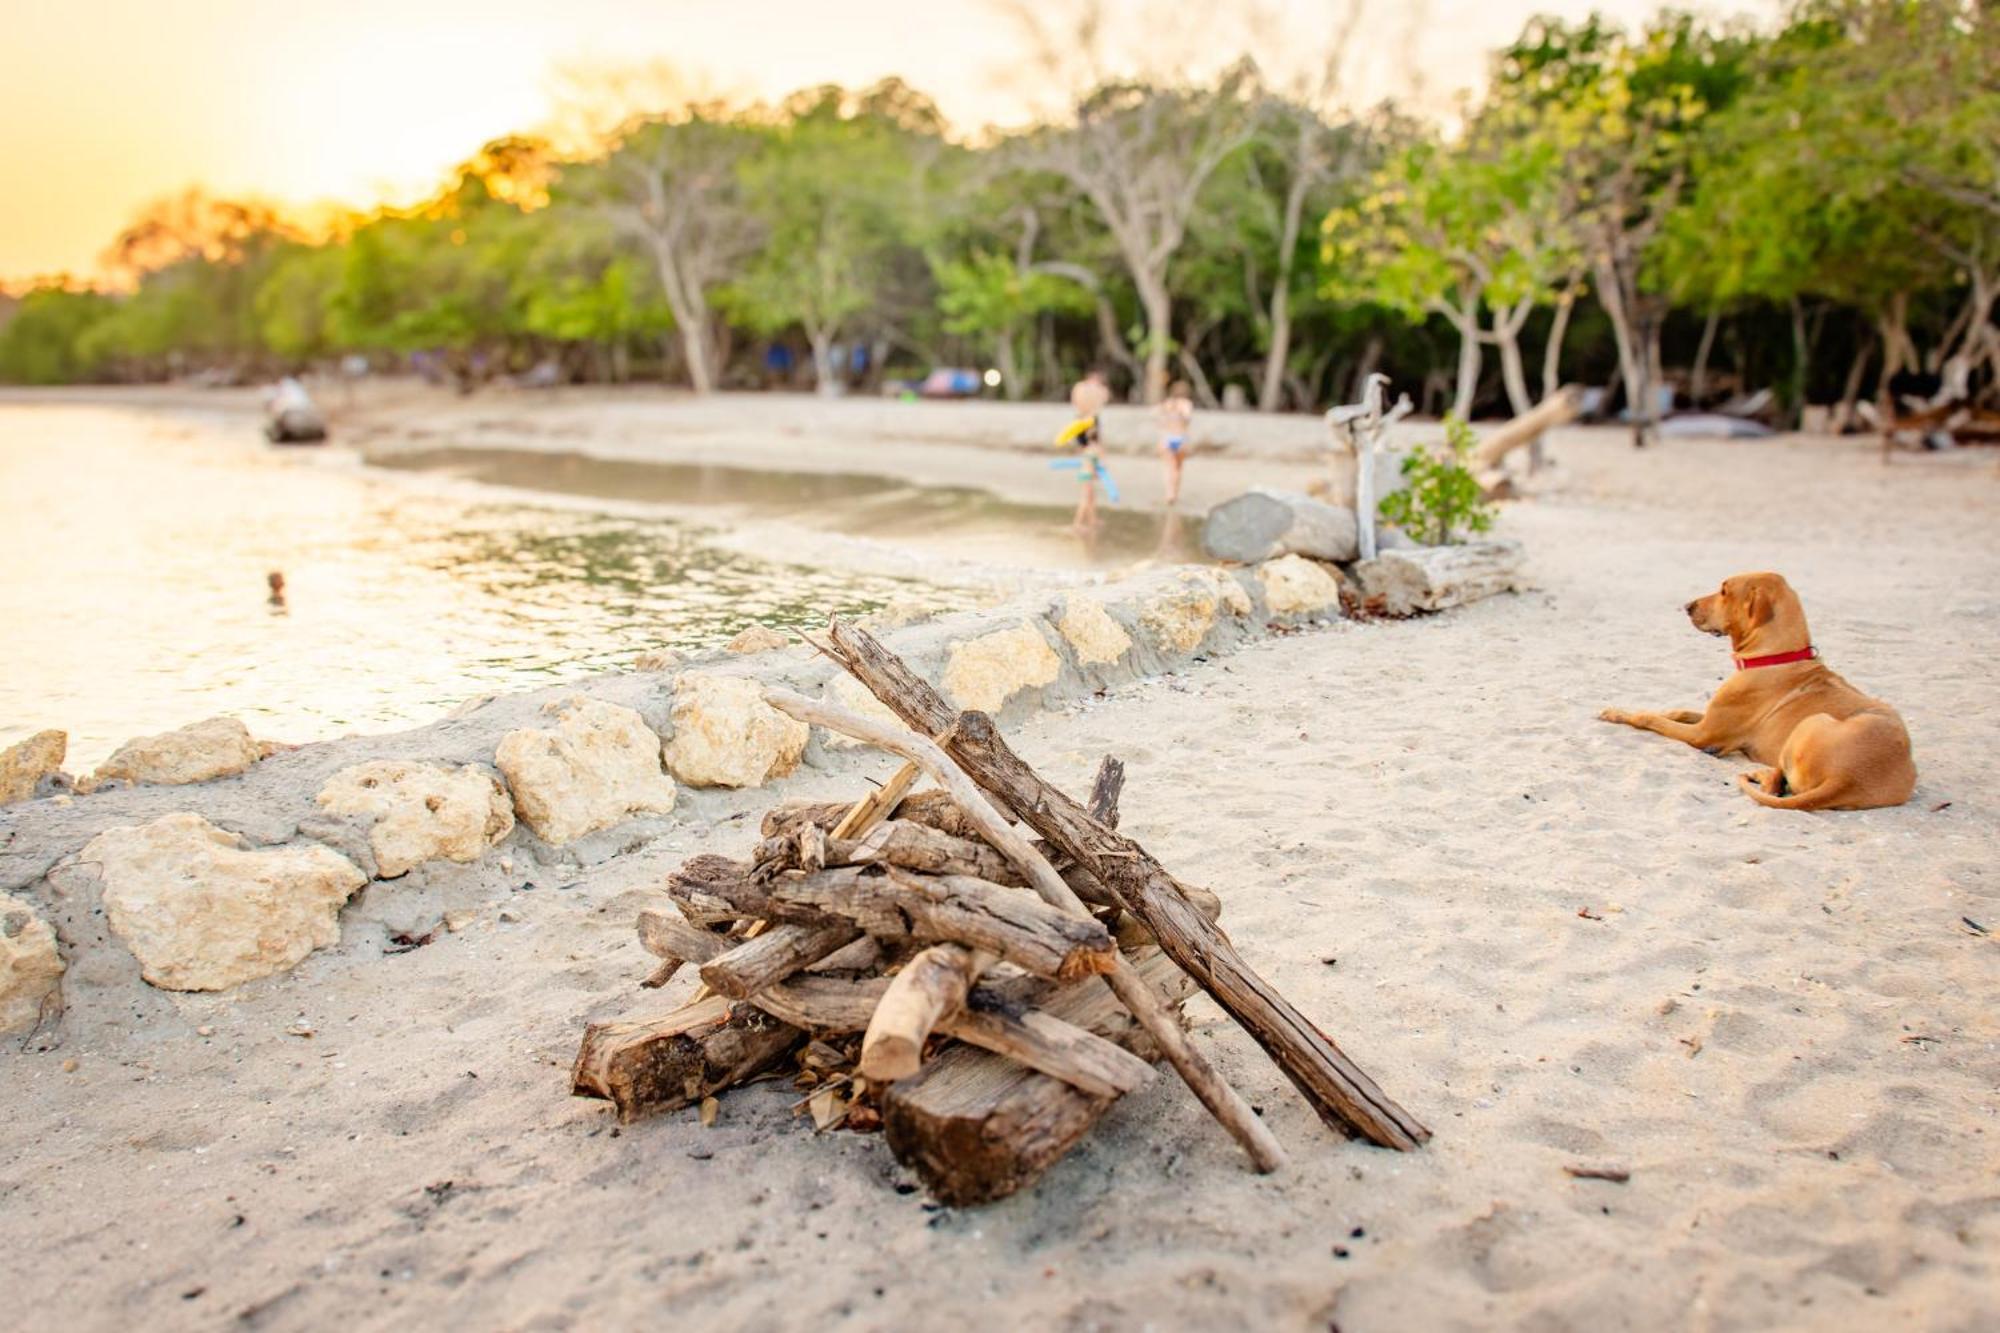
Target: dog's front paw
1614,715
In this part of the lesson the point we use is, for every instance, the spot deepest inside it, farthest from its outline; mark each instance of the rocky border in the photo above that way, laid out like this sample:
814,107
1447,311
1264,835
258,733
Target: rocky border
397,833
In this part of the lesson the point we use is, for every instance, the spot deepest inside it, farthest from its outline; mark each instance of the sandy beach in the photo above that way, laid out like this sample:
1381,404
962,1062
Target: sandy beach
1558,942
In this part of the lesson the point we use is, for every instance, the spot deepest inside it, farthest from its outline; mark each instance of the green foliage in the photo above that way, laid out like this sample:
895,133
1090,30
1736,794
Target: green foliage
1442,504
45,340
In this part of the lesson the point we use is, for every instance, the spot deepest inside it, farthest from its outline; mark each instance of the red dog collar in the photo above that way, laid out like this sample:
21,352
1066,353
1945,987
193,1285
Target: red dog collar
1777,659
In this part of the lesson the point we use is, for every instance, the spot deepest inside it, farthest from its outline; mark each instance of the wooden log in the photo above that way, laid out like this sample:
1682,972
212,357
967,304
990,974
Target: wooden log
930,987
978,1127
875,807
1432,578
1262,524
659,1064
1338,1090
1222,1101
1558,409
909,845
773,956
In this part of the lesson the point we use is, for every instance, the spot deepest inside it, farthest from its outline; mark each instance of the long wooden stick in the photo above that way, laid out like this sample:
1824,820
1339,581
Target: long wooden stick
1338,1090
1223,1101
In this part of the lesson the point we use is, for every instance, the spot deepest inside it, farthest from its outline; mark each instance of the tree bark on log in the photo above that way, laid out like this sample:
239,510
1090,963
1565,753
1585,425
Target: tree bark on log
1340,1092
931,986
978,1127
773,956
1558,409
1431,578
660,1064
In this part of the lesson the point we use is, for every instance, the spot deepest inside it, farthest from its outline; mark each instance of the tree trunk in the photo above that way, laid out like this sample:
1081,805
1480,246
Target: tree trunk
826,375
1698,377
1801,361
1159,307
1850,394
1558,331
1511,372
1631,355
690,315
1005,363
1468,372
1271,392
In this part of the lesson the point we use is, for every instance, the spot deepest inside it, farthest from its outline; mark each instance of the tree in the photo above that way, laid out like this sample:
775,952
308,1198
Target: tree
1140,153
673,184
44,341
835,193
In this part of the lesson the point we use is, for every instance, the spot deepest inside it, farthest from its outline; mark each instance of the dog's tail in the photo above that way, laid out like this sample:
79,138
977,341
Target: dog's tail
1817,798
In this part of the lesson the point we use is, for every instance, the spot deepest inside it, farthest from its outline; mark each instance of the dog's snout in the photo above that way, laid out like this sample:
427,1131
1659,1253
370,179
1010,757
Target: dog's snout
1689,608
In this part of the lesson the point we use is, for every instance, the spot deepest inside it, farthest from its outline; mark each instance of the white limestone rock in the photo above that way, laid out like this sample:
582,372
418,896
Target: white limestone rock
657,659
597,765
846,692
1182,616
25,765
757,639
201,912
422,812
1092,634
30,967
725,735
1294,585
983,673
200,752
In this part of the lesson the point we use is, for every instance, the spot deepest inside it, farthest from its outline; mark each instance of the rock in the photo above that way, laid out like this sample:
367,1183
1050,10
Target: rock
201,912
1181,617
1431,578
894,614
1092,634
983,673
849,693
25,765
657,659
757,639
423,812
598,764
201,752
1294,585
1261,524
30,967
725,735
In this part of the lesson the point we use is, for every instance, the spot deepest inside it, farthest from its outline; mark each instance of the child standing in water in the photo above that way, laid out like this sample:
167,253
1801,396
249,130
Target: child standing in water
1088,400
1176,418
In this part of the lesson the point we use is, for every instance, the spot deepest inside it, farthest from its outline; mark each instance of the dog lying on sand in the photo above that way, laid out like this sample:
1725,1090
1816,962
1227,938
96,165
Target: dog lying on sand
1825,744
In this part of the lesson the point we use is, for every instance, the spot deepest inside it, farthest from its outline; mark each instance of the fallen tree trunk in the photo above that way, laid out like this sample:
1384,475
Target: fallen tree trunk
1340,1092
1558,409
978,1127
1431,578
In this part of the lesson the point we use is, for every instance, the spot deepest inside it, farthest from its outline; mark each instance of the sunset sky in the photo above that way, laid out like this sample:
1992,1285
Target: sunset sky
111,103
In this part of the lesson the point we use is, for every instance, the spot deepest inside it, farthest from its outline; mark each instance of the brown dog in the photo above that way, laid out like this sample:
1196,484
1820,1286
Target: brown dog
1826,745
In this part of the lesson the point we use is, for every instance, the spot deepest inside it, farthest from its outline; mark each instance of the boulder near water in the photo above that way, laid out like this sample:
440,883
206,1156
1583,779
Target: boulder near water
757,639
202,912
725,735
422,812
1262,524
1294,585
30,966
598,764
26,765
200,752
986,671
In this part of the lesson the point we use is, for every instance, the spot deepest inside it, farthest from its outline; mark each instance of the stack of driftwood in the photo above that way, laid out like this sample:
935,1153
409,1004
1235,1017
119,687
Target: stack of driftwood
918,962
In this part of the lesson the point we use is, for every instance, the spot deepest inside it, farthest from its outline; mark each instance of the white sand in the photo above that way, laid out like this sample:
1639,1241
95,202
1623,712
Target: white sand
1776,1022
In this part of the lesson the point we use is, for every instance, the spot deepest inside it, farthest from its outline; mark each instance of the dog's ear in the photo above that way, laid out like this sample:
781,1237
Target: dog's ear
1758,607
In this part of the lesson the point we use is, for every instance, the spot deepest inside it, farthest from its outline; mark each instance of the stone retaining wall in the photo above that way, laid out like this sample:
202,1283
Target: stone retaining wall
391,834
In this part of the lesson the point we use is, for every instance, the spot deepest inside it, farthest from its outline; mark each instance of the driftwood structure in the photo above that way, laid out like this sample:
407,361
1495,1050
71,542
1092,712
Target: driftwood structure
923,964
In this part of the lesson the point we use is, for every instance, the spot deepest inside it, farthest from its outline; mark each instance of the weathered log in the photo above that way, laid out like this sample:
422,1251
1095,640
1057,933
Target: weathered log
1262,524
930,987
1223,1102
978,1127
659,1064
1558,409
773,956
875,807
1432,578
934,809
909,845
1340,1092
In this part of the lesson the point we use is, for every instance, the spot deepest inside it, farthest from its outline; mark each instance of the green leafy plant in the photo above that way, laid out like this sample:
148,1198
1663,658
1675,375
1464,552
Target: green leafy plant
1442,504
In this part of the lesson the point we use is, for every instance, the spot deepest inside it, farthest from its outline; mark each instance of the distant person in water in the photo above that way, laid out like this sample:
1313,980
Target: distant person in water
276,579
1088,400
1176,420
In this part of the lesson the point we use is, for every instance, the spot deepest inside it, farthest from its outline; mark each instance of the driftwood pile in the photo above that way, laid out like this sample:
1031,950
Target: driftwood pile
919,963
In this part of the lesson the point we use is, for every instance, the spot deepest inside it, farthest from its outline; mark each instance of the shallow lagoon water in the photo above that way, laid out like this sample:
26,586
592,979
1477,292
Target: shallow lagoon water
136,547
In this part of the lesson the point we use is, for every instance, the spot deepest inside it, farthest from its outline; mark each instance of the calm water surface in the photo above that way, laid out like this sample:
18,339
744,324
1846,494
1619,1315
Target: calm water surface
133,598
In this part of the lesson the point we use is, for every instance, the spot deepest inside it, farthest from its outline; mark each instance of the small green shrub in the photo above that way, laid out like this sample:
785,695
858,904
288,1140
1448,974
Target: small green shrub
1442,504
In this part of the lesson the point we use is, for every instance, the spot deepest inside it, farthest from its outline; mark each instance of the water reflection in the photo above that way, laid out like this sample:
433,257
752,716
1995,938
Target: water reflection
161,570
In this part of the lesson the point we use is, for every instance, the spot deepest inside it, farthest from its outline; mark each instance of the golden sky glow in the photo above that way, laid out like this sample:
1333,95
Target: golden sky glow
108,104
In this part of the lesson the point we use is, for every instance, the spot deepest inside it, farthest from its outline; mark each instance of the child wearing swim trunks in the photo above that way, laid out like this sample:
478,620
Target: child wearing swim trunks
1176,419
1088,400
